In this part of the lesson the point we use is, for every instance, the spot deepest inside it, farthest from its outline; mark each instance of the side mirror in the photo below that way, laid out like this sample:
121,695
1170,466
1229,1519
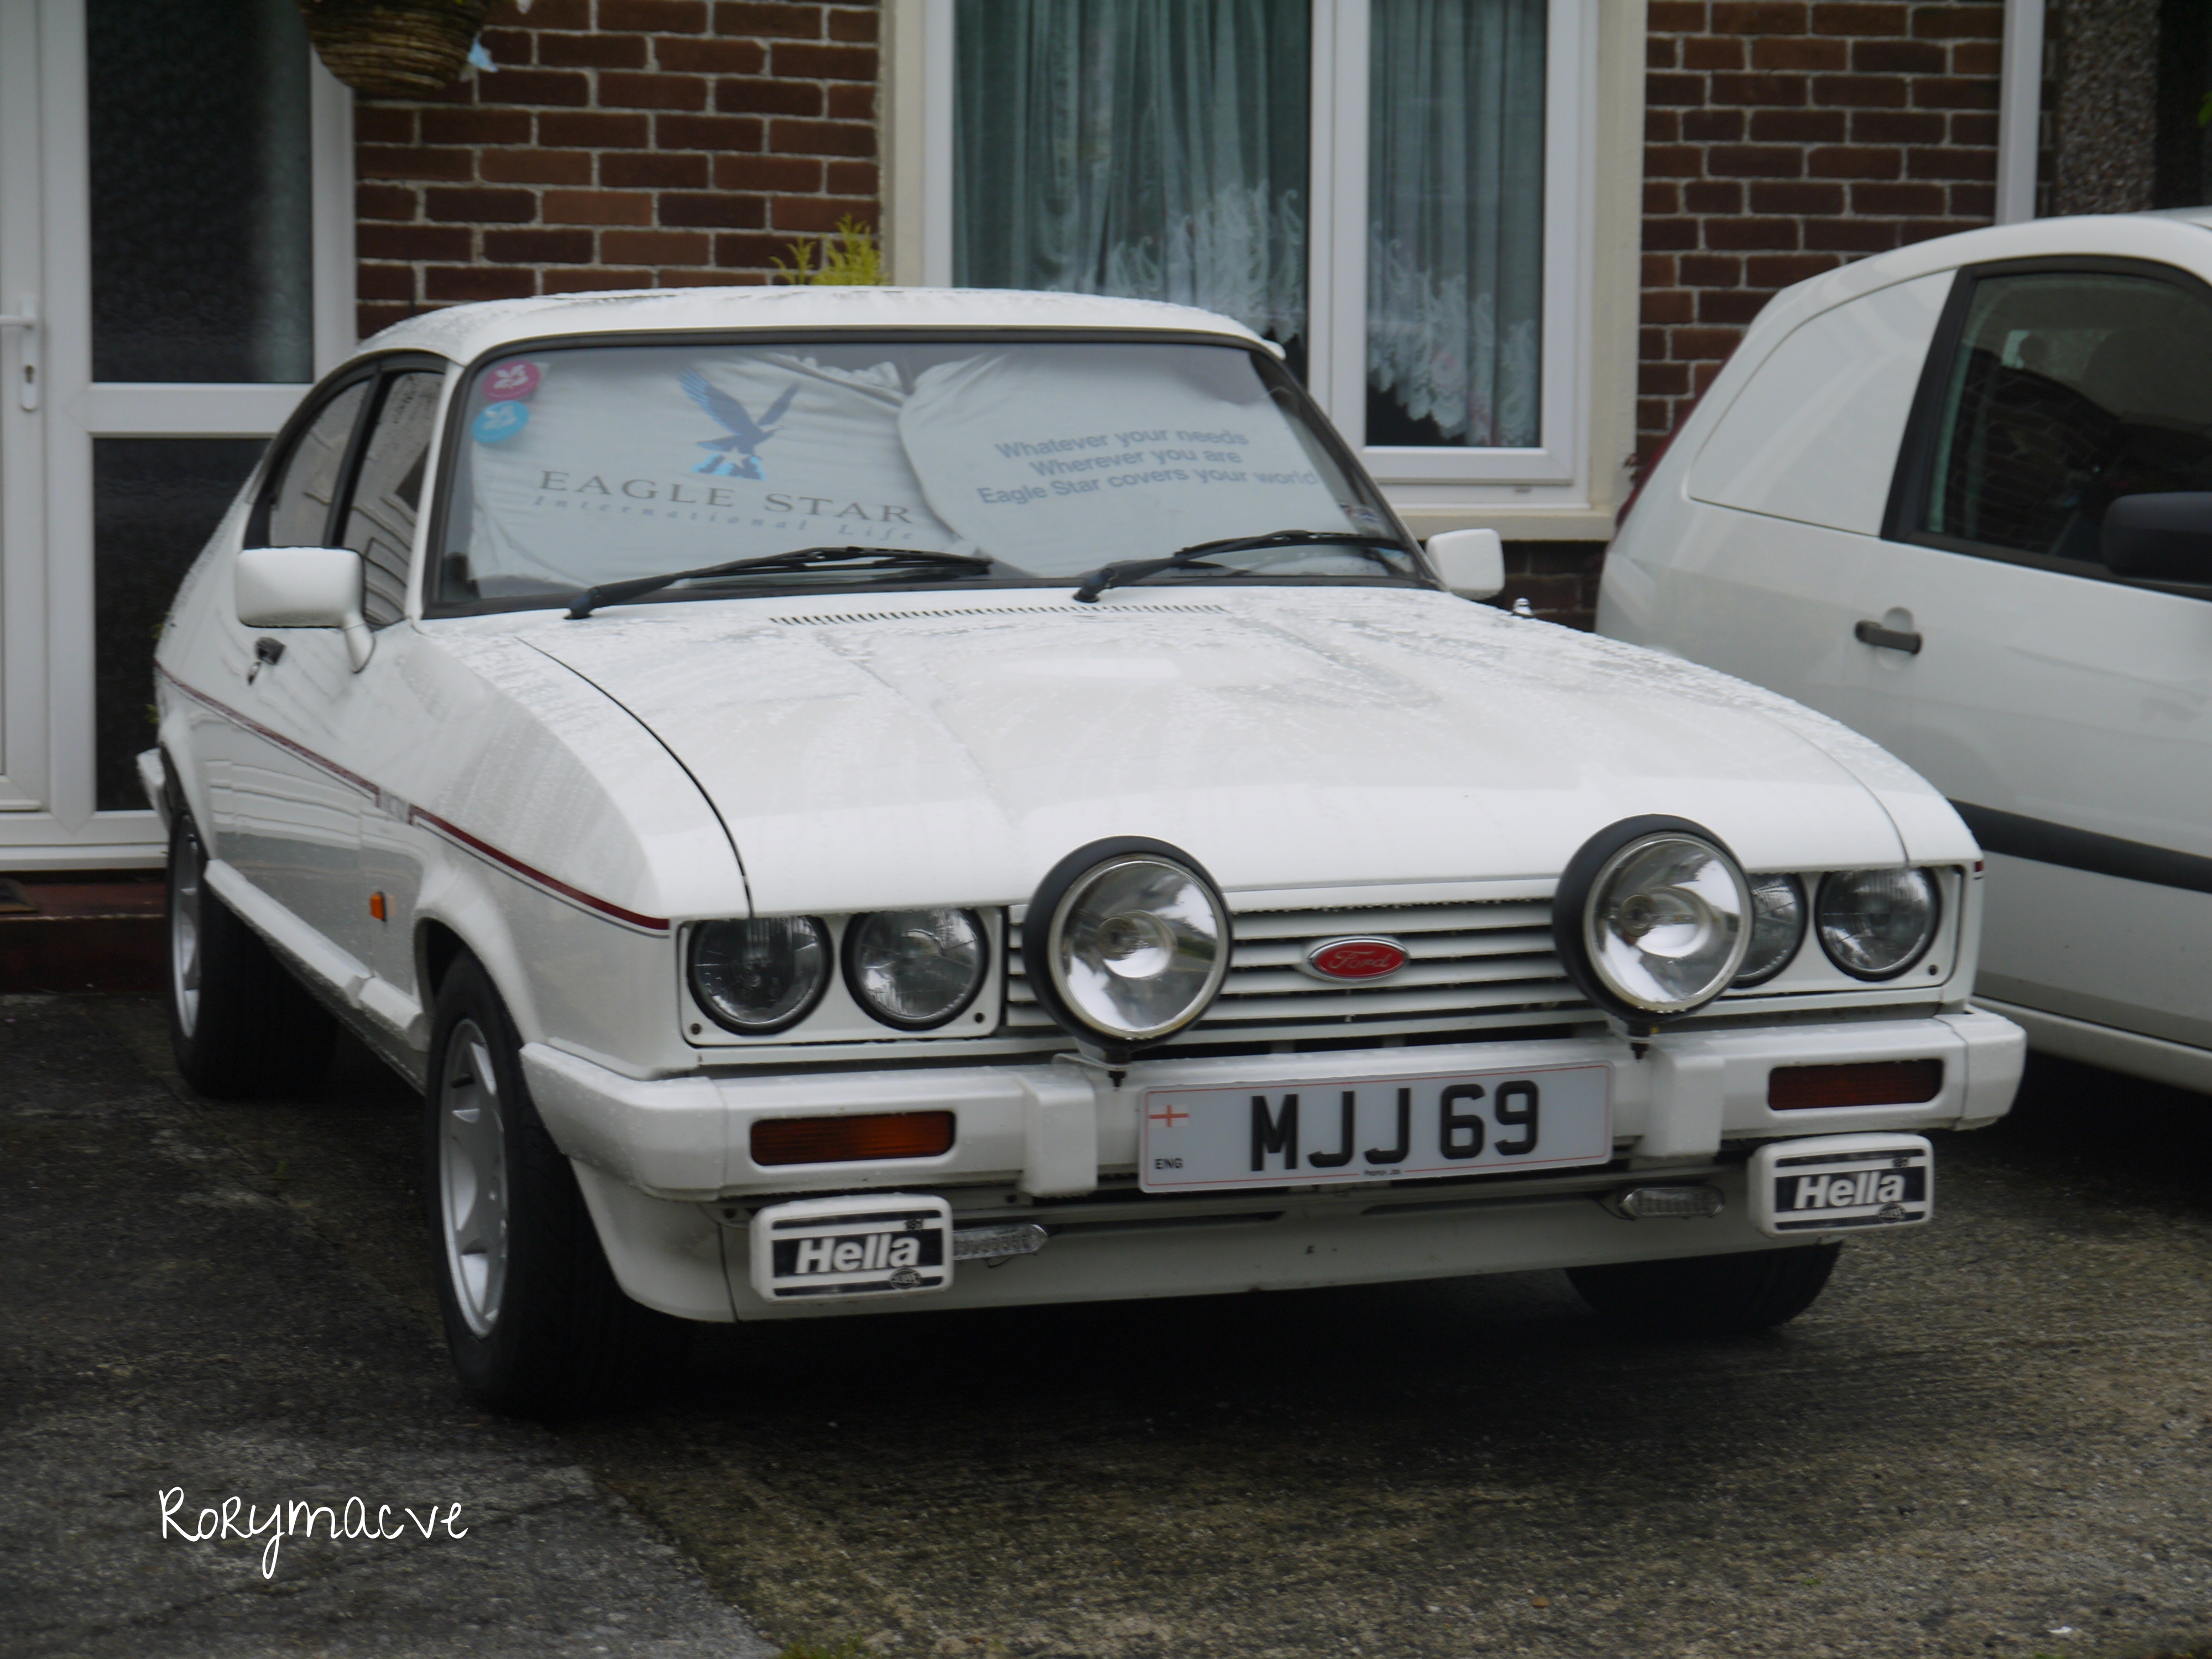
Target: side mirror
2162,538
304,588
1471,561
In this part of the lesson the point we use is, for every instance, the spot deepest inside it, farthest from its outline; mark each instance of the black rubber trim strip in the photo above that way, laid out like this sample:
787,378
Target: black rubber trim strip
2019,837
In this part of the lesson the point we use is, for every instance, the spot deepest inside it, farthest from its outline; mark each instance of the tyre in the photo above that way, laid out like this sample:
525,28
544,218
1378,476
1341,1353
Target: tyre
1707,1296
240,1025
536,1323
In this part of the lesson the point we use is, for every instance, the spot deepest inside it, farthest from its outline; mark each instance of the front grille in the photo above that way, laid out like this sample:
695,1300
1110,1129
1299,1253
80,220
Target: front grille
1485,963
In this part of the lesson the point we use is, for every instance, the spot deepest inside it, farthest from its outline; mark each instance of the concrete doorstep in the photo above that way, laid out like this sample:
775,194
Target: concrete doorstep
181,1354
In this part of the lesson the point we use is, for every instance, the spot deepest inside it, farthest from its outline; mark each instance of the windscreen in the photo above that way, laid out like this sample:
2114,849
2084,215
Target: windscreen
587,465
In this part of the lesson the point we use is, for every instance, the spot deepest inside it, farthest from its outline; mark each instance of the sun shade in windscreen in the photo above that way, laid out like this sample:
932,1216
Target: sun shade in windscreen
588,464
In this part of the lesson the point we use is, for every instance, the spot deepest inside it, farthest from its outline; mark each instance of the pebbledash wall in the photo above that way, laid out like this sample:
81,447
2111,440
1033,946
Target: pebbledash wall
676,143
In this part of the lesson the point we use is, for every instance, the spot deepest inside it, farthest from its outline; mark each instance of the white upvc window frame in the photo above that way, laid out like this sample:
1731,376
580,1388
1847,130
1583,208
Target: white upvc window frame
48,815
1566,486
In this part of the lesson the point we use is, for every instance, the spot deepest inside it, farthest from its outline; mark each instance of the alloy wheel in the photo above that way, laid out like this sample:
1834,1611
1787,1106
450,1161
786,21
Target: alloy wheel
185,888
472,1176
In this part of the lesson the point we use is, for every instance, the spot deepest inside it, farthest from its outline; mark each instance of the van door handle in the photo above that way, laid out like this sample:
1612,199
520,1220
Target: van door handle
1889,639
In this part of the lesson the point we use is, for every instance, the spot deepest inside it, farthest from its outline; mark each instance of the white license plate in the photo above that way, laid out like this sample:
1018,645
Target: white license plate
1396,1129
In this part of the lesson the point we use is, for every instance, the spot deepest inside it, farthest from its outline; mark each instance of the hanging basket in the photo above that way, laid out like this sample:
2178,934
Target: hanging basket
395,48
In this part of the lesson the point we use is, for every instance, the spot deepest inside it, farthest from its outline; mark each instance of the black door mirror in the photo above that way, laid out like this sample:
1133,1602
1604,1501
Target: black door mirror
2162,538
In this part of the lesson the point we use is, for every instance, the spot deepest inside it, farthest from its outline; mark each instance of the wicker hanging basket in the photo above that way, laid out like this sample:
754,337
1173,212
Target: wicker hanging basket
395,48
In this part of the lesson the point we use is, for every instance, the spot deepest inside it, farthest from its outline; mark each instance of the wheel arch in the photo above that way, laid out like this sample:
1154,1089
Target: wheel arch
455,913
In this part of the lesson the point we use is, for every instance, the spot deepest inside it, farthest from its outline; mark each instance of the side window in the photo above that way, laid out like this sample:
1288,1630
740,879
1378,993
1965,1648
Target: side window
2066,391
387,490
307,486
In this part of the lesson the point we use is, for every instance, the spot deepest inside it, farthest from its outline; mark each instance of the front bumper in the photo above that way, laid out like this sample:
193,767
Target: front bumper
1051,1128
666,1166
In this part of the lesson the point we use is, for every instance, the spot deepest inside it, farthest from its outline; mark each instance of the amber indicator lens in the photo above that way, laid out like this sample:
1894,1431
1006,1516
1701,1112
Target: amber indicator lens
1874,1083
851,1139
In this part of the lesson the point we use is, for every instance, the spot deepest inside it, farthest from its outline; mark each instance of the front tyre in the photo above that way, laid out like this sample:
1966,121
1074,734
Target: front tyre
241,1027
1708,1296
536,1323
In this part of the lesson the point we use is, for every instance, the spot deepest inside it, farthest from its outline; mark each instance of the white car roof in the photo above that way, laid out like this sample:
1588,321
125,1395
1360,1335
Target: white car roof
2171,236
466,332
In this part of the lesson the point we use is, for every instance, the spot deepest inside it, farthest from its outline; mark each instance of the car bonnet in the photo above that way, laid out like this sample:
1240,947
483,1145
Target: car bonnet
924,748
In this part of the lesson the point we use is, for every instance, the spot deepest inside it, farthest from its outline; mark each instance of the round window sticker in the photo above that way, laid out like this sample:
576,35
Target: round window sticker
515,379
497,423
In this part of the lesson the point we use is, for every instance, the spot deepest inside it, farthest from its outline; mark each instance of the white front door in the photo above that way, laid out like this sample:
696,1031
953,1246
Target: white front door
175,237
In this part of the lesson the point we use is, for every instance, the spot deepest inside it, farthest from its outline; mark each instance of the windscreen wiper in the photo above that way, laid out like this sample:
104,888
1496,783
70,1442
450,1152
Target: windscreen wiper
800,558
1136,570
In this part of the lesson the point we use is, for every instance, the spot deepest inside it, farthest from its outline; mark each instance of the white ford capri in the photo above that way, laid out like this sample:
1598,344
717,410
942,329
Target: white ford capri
848,800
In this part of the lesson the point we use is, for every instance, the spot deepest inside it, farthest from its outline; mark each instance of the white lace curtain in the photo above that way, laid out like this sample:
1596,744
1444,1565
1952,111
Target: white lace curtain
1455,221
1158,149
1155,148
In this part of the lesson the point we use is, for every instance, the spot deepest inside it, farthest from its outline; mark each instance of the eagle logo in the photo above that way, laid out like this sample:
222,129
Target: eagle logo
735,456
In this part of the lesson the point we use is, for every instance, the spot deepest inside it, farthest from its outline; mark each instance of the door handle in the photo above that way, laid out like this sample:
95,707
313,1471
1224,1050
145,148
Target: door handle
1888,639
26,317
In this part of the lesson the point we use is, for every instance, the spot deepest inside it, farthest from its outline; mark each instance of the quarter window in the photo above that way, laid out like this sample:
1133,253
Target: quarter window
2066,391
388,493
307,489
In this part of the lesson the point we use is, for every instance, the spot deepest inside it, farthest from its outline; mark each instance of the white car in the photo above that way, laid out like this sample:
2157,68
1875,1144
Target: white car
849,800
1960,496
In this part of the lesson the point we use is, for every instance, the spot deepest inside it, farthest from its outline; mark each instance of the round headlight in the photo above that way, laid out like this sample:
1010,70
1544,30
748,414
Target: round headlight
1875,924
1652,918
1127,940
1777,927
758,977
916,969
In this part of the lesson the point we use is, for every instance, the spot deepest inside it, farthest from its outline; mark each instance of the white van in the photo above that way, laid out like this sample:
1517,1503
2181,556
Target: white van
1960,496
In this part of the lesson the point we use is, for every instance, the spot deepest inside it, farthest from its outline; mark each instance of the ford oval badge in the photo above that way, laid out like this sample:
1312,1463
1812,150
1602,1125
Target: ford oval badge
1354,958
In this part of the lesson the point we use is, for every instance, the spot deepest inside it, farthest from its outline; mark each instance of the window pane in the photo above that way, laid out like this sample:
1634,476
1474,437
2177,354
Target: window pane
2068,392
300,511
1456,223
200,184
155,502
1153,149
379,522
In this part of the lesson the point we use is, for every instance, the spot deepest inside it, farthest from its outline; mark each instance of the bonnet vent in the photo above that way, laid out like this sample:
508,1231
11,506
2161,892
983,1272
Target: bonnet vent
936,612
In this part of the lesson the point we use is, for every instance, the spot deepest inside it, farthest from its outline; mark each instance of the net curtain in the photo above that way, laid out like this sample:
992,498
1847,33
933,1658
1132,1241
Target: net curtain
1151,149
1455,221
1158,150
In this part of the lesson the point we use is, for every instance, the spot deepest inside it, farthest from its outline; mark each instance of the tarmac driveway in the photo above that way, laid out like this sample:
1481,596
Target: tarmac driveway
1991,1437
170,1323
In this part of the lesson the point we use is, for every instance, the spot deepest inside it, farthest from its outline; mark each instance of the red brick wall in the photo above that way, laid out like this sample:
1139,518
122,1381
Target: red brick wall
1783,138
621,143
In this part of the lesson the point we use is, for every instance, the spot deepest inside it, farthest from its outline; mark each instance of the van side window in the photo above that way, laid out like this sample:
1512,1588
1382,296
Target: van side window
308,487
2067,391
387,491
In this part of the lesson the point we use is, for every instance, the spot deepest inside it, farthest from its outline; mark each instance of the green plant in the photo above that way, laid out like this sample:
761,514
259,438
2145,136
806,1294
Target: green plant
851,258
